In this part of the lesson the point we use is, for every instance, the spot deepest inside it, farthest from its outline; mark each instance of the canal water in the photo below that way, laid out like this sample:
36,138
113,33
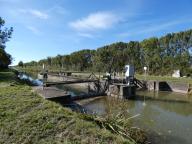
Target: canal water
165,116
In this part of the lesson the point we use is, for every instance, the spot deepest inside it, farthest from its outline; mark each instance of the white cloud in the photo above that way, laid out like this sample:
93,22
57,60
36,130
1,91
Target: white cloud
36,13
39,14
86,35
95,21
58,10
34,30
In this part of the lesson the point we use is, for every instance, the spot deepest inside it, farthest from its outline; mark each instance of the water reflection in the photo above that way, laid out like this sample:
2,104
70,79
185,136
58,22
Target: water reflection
166,116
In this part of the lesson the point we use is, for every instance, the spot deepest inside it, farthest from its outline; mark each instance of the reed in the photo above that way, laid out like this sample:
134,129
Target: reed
119,124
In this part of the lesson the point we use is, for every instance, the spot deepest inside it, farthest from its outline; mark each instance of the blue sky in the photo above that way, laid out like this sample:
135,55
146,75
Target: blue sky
50,27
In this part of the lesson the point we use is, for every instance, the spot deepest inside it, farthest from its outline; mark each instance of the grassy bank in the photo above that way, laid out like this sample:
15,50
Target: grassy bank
25,117
165,78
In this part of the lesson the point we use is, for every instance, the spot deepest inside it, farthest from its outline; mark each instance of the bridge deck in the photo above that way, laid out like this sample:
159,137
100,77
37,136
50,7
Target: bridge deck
51,92
47,84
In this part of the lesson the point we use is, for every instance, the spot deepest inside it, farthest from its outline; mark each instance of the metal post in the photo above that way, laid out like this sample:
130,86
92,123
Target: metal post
145,69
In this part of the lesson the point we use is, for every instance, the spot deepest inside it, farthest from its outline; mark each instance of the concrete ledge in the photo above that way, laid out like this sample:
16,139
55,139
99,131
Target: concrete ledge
122,91
167,86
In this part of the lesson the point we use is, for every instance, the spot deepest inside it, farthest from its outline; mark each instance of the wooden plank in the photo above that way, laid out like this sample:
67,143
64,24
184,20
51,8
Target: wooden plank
63,76
68,82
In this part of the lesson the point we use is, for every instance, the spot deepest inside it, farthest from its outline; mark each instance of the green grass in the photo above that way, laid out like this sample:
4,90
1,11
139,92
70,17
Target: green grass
7,77
165,78
25,117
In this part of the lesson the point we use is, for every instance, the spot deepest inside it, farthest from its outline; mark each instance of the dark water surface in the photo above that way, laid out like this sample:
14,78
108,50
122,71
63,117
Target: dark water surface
167,117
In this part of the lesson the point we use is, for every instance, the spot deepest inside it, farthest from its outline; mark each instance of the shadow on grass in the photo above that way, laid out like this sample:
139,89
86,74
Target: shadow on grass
7,77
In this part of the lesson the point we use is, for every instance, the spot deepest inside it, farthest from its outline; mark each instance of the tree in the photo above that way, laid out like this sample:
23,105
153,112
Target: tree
5,59
49,61
152,54
20,64
5,35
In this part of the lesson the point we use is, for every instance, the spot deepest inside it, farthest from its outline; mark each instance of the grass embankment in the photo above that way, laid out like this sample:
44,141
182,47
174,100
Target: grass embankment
36,69
25,117
165,78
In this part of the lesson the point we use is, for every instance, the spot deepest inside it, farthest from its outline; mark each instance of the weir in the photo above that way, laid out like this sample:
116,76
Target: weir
49,90
118,88
95,86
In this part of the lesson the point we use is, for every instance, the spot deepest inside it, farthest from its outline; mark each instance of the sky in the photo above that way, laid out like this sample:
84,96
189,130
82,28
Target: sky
45,28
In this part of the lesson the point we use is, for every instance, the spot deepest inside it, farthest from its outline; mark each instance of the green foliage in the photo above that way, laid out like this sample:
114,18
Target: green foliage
20,64
5,59
160,55
5,35
152,54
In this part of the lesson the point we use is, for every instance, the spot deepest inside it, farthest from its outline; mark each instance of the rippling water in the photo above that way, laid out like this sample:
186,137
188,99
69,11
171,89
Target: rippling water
167,117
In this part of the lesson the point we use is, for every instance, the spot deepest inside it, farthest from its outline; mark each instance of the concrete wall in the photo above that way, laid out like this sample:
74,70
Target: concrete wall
121,91
167,86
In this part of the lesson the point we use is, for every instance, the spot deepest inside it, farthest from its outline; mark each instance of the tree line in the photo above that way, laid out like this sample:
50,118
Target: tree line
161,55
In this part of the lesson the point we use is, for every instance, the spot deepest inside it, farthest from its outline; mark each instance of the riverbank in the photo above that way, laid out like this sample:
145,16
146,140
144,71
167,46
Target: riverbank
25,117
